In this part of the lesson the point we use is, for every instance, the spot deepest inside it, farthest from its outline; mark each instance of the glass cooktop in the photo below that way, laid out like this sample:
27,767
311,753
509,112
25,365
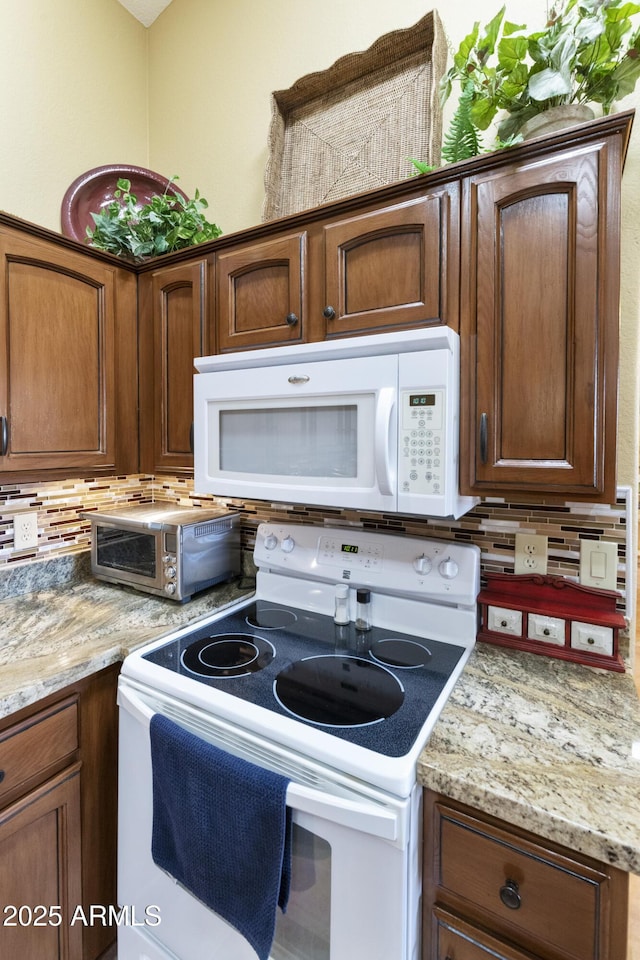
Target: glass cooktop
374,689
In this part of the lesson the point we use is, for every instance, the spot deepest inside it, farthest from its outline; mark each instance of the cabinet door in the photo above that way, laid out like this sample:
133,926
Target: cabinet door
541,343
178,306
393,267
260,296
57,360
41,872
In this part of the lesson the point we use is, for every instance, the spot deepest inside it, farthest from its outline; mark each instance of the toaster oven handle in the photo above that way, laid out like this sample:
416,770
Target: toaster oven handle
384,410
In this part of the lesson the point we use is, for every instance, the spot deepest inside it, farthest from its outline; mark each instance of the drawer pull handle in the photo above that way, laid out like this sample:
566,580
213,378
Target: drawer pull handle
4,436
510,895
483,438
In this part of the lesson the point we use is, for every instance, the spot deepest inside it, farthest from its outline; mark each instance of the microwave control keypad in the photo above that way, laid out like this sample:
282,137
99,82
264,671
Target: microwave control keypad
421,442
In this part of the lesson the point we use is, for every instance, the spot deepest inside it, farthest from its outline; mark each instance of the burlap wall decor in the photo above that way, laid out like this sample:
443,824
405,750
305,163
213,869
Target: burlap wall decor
352,127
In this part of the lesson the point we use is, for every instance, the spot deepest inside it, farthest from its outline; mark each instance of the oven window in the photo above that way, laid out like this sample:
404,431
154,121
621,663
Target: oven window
318,441
127,551
303,932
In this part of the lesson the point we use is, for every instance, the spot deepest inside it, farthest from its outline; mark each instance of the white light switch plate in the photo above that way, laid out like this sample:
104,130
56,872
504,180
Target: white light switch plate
598,564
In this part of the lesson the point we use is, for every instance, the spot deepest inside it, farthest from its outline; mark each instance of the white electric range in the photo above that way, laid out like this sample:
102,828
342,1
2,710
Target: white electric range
343,713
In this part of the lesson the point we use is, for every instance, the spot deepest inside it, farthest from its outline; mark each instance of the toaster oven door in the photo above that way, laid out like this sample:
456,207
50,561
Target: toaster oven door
123,554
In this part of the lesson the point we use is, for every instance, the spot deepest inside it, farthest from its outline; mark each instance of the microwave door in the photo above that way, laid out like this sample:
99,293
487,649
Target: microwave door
318,433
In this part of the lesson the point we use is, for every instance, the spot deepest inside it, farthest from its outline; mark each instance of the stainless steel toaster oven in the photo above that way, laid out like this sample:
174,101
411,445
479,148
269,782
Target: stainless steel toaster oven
164,549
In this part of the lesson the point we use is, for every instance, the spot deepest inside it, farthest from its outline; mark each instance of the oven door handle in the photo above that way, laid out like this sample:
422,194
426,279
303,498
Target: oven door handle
367,817
362,816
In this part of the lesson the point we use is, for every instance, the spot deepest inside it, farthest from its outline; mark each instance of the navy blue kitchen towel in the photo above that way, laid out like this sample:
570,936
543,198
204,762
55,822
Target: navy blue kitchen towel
222,828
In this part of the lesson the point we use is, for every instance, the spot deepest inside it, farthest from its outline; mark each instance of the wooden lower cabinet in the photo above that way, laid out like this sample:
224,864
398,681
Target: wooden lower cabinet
58,823
40,872
492,890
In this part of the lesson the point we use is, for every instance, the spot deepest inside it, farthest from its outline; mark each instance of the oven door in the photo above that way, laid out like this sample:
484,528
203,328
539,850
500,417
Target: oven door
355,871
123,553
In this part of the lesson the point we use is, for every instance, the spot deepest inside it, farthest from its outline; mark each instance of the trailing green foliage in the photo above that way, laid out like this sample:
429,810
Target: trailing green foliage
168,222
462,139
587,52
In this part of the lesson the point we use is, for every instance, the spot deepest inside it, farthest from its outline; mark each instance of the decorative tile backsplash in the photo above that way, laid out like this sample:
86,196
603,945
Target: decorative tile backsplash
492,525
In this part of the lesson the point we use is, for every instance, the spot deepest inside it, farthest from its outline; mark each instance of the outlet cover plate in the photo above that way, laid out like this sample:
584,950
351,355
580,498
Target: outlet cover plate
25,531
531,553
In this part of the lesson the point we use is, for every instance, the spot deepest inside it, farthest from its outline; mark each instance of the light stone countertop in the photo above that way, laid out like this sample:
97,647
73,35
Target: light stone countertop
542,744
56,633
546,745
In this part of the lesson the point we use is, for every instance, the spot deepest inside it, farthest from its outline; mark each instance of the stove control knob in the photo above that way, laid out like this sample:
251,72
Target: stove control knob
170,588
422,564
448,569
288,544
270,541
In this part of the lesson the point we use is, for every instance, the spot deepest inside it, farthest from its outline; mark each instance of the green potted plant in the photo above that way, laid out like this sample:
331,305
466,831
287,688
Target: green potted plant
587,52
167,222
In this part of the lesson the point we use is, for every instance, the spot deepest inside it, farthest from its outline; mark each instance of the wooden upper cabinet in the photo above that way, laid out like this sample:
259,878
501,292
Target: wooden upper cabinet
540,325
393,267
58,360
260,295
178,320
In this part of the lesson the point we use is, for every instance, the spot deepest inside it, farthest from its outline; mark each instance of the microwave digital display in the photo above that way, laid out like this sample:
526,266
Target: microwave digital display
422,399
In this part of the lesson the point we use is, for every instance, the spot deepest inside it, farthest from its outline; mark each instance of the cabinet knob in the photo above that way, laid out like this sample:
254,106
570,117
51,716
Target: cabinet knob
510,895
328,313
291,319
1,775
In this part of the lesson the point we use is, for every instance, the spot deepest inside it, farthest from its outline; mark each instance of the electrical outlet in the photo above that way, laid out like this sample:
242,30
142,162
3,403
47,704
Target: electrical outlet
531,553
25,531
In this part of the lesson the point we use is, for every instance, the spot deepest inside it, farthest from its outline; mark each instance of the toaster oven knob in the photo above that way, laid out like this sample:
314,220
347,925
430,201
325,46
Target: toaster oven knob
422,564
170,573
288,544
270,541
170,588
448,569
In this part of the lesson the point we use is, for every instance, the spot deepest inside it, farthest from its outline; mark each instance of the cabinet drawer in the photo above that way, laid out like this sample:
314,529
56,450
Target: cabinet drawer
520,889
34,748
457,940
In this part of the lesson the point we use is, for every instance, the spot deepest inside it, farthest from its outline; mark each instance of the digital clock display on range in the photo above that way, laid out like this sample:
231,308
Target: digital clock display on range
349,548
422,399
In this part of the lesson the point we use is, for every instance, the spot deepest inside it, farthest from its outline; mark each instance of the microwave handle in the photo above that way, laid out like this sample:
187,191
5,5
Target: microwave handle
384,410
360,815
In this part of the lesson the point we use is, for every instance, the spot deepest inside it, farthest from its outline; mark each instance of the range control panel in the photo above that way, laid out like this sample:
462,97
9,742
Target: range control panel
390,563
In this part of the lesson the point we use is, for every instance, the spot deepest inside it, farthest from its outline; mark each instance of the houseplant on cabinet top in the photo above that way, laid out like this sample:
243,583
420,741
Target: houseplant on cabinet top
167,222
587,52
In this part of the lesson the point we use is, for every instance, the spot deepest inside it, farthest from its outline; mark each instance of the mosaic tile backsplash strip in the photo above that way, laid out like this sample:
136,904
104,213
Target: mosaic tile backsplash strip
492,525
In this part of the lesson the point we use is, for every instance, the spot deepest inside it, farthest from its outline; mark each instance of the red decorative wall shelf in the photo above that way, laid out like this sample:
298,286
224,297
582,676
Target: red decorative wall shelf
552,616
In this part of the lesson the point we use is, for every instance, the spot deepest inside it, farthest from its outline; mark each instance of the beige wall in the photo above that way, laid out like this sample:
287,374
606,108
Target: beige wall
83,83
73,95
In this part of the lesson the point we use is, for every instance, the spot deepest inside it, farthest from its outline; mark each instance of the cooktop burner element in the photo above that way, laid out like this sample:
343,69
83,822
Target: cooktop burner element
403,654
228,655
270,618
338,691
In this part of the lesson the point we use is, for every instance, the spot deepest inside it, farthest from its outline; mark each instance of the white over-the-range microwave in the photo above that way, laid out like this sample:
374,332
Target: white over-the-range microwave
370,423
